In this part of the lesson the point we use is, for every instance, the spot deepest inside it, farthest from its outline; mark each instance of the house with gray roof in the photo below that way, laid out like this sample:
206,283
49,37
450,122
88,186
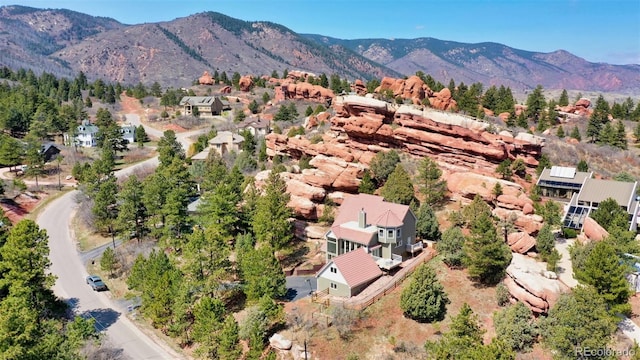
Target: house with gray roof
595,191
385,230
255,125
226,142
207,106
561,182
86,135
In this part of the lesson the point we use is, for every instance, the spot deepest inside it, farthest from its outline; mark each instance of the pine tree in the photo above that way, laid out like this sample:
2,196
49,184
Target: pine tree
104,204
598,119
131,210
620,136
560,132
367,186
383,164
451,247
208,316
575,133
516,327
424,299
545,242
582,166
399,187
108,260
636,131
262,274
228,341
427,226
606,274
168,148
536,104
564,98
504,169
430,183
271,223
487,255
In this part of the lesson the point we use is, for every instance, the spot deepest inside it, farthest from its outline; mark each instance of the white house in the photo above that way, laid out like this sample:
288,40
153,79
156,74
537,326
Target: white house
128,132
86,135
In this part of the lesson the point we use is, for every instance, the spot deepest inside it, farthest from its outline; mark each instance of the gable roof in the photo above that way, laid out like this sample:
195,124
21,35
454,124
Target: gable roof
223,137
256,123
563,175
198,100
375,207
357,267
87,128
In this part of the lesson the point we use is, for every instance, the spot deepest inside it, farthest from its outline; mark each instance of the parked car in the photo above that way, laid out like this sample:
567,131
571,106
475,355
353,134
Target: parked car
96,283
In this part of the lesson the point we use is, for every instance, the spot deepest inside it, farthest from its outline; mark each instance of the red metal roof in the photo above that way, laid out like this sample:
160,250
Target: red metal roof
361,237
388,219
357,267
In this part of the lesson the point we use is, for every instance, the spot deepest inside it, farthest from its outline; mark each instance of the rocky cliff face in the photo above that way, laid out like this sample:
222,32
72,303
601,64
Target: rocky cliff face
363,126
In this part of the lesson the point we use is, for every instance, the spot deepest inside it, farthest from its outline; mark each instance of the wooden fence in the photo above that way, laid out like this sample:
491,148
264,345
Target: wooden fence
356,303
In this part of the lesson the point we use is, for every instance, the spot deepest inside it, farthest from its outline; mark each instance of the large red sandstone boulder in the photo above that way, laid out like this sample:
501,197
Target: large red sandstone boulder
521,242
509,201
246,83
302,90
593,231
205,79
583,103
442,100
528,282
530,224
226,90
359,87
303,207
302,189
334,173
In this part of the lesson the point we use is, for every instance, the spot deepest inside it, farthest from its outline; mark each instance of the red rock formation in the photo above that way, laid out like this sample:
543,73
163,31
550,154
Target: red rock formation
521,242
359,87
529,282
246,83
593,231
205,79
302,90
225,90
442,100
580,108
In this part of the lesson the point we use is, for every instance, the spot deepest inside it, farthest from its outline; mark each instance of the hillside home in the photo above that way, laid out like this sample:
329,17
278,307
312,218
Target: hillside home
256,126
49,151
128,132
348,274
593,192
561,182
226,142
86,135
207,106
386,231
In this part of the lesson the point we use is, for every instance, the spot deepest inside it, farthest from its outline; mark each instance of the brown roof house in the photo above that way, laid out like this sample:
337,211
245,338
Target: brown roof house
226,142
385,231
207,106
256,126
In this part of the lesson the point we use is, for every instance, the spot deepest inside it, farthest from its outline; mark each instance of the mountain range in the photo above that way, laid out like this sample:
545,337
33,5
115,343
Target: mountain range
176,52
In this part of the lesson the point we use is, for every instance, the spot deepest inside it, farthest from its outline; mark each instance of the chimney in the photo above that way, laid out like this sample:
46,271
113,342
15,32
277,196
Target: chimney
362,219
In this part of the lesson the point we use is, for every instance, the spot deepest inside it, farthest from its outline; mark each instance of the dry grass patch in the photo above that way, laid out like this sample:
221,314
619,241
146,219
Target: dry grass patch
86,238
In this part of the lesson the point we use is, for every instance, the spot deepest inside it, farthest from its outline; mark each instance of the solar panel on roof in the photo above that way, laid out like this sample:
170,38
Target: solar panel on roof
563,172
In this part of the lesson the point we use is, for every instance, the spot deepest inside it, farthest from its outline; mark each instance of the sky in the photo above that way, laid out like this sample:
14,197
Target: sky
596,30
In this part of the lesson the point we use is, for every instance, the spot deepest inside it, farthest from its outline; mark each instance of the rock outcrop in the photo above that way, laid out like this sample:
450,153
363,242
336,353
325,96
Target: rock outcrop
303,90
279,342
521,242
205,79
593,231
414,89
528,281
580,108
246,83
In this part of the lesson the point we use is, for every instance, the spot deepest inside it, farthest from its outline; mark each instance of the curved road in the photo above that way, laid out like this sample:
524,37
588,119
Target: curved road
71,272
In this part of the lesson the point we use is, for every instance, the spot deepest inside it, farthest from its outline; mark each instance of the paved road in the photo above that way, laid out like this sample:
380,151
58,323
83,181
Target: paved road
71,286
299,287
67,265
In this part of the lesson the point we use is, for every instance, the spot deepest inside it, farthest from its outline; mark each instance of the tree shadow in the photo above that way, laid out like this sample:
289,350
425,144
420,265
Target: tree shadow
290,294
103,317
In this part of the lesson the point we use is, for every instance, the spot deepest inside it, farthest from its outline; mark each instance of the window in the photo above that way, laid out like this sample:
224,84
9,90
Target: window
333,270
398,232
381,233
334,286
332,247
390,234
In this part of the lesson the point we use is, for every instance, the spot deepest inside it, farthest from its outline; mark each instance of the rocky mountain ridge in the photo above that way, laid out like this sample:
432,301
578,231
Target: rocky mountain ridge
176,52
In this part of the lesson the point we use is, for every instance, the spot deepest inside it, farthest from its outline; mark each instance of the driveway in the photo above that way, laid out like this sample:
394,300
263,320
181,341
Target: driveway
299,287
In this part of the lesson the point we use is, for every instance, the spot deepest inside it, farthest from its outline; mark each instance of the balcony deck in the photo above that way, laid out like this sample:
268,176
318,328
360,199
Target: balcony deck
414,248
388,264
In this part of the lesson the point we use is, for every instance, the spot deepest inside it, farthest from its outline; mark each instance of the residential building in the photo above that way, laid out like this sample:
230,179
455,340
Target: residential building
348,274
49,151
386,231
226,142
561,182
256,126
207,106
593,192
128,132
86,135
